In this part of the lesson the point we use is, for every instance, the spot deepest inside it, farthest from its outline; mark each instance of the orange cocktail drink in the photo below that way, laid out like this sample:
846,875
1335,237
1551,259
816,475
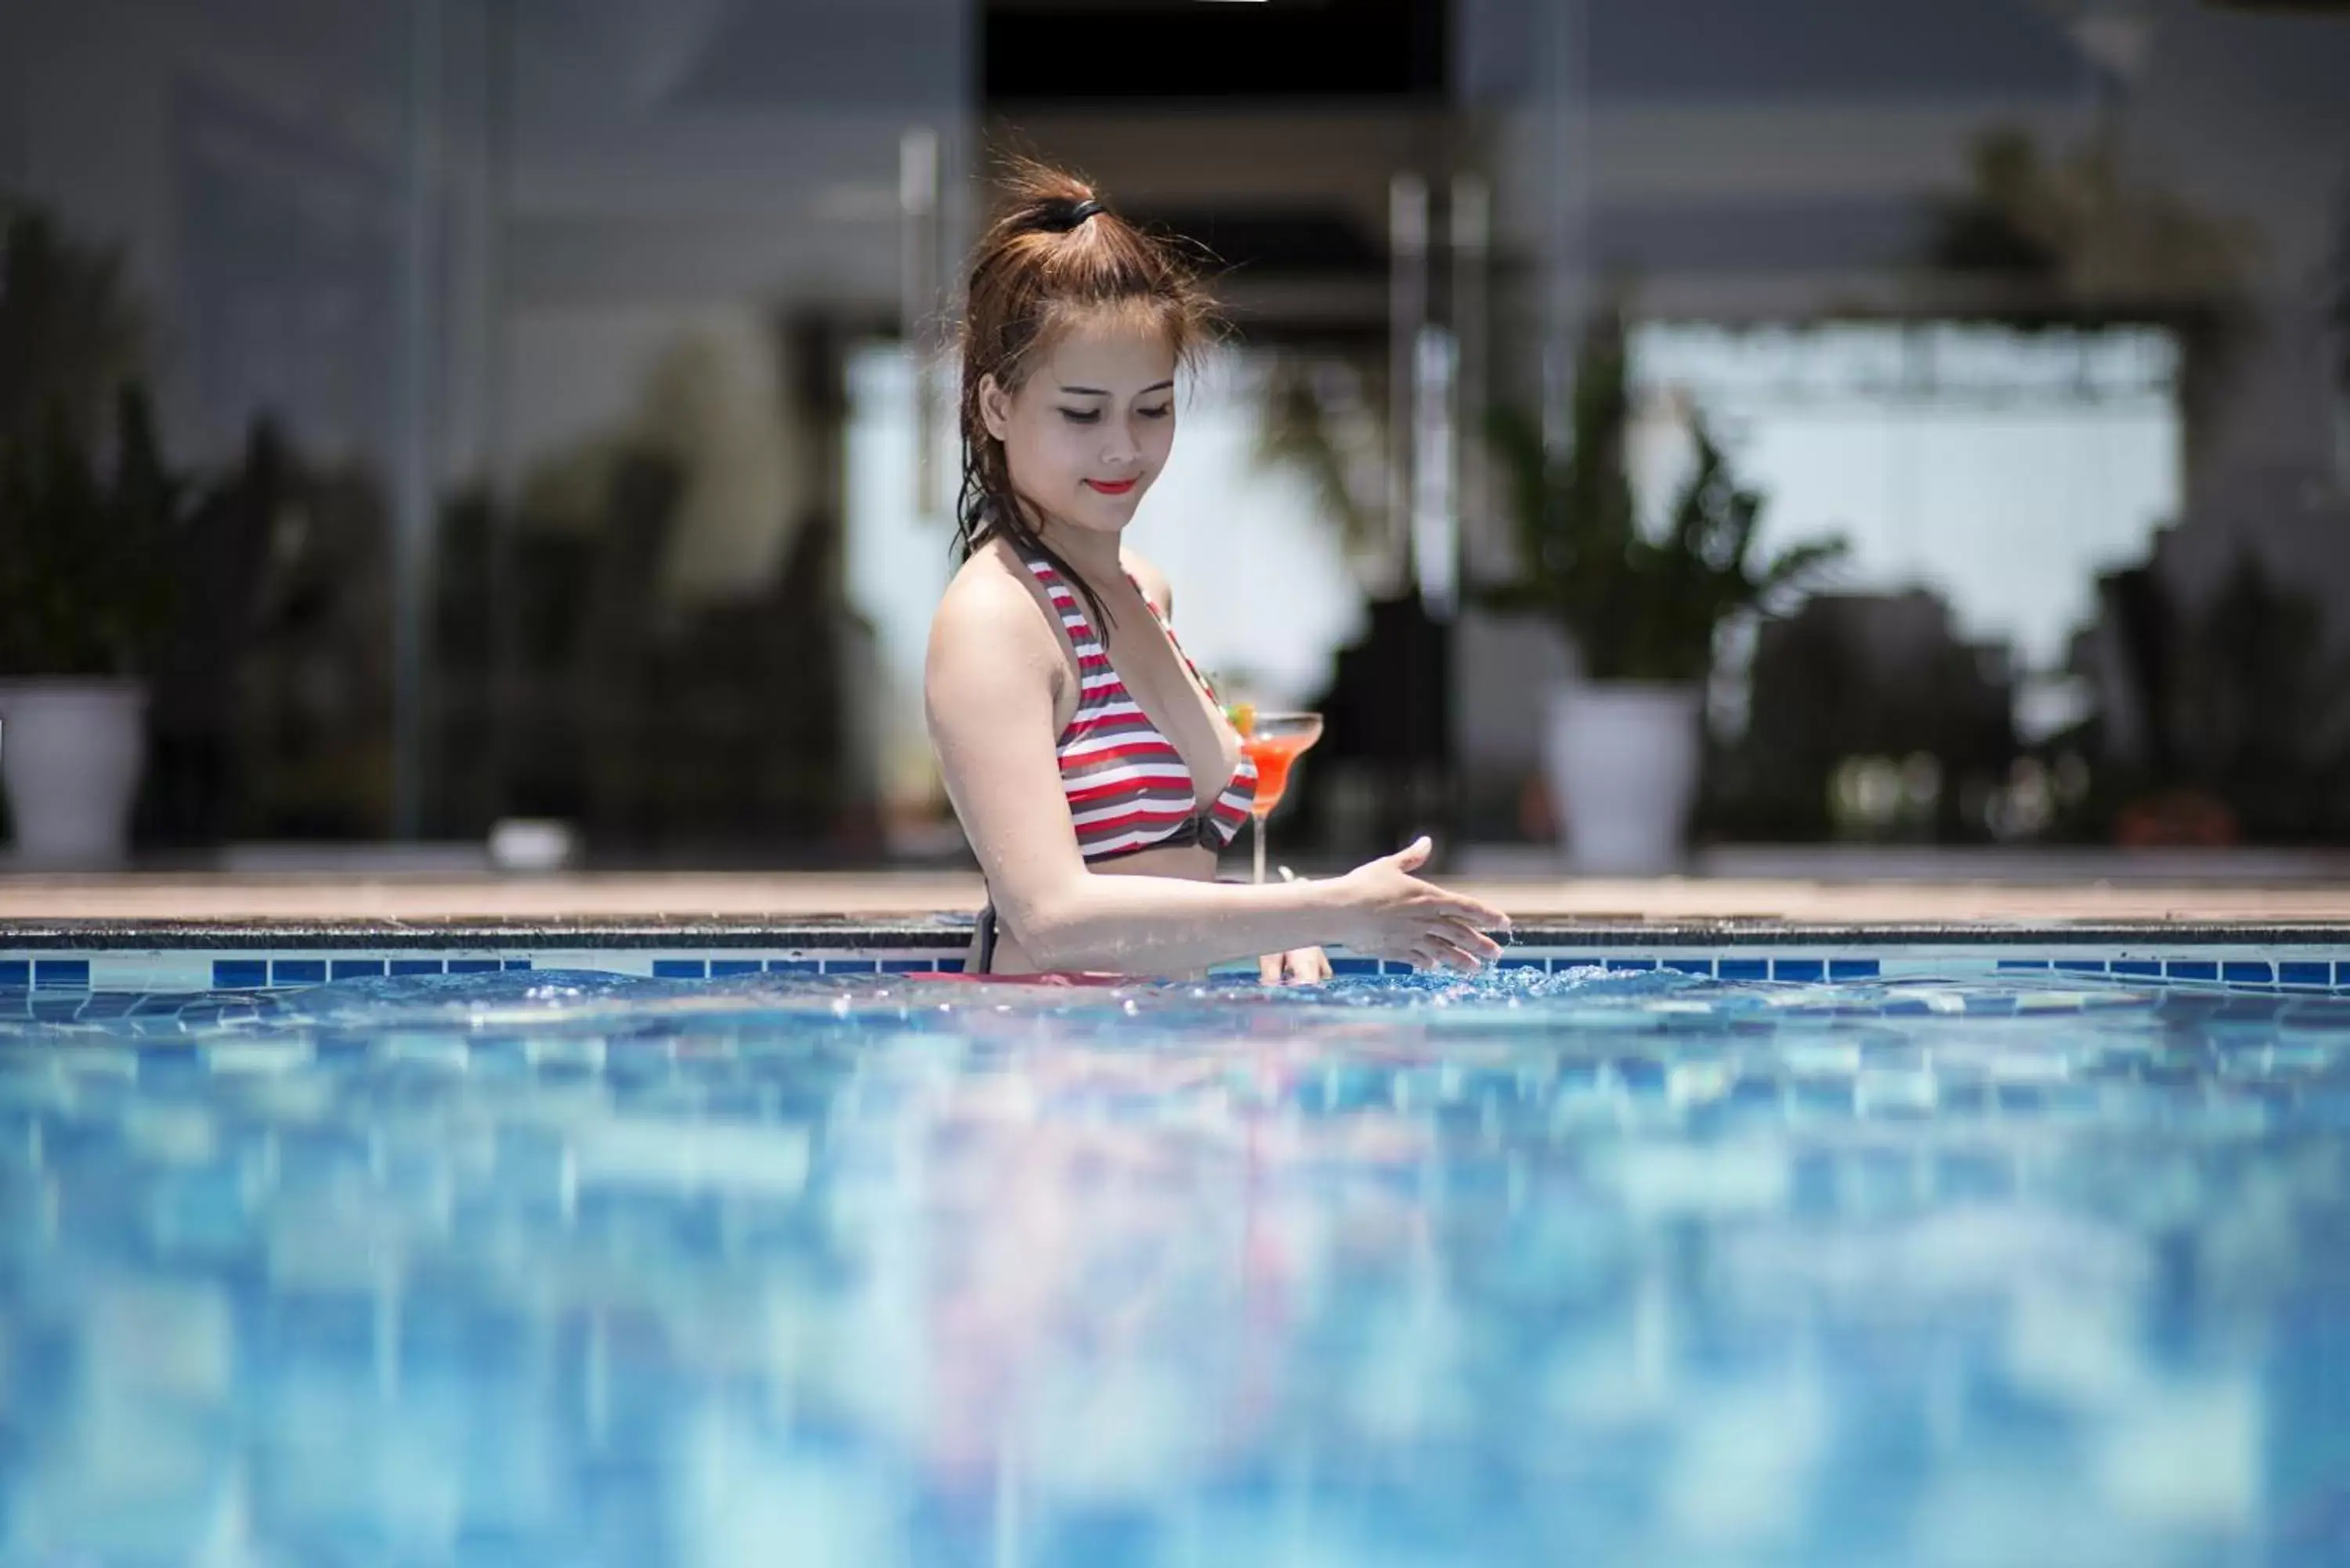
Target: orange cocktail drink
1273,755
1273,742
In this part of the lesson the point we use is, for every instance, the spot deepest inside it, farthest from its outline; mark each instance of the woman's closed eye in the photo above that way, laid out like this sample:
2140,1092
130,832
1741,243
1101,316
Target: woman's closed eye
1092,416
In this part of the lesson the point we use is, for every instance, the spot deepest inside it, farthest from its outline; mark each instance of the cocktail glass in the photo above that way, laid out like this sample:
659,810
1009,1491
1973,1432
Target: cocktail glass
1274,743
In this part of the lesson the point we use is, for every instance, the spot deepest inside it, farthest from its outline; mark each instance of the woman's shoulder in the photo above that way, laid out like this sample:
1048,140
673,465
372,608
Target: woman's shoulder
990,596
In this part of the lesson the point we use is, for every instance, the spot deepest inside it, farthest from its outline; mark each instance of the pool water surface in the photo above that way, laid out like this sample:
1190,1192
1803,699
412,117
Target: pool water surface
562,1268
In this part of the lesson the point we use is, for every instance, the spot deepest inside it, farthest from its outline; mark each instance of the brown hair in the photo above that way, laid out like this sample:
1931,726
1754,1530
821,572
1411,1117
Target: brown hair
1053,254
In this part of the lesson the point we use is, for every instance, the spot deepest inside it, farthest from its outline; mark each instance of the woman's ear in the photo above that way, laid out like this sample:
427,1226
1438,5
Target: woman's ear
994,407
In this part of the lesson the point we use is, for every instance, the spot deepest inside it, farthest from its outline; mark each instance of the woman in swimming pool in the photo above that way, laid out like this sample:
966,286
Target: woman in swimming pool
1093,775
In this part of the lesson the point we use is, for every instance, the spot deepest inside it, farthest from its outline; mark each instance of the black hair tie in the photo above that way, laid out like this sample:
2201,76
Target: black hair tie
1077,213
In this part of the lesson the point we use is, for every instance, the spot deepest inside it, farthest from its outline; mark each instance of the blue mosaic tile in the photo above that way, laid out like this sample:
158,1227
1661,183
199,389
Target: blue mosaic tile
517,964
474,966
240,974
1371,966
16,974
1743,969
2140,969
298,971
727,969
2190,968
1853,968
1558,965
356,969
1798,968
908,966
851,966
1696,966
2082,966
1624,965
951,966
61,974
416,966
793,966
2292,974
2023,963
2239,972
680,969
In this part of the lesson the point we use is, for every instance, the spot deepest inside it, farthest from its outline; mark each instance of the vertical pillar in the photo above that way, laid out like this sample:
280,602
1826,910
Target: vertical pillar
1407,315
413,479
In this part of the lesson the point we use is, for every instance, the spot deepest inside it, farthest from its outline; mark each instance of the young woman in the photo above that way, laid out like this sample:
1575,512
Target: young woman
1093,774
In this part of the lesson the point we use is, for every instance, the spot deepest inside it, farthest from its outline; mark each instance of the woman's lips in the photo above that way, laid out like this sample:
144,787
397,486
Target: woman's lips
1113,486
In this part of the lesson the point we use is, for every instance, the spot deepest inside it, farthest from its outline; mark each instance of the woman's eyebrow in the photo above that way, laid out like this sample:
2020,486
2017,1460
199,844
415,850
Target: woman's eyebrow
1099,392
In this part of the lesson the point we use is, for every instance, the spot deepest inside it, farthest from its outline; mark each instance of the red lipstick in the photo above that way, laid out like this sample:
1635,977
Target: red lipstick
1112,487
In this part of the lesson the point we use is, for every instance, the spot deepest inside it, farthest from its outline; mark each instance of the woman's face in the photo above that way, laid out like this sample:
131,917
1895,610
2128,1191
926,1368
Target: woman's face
1090,428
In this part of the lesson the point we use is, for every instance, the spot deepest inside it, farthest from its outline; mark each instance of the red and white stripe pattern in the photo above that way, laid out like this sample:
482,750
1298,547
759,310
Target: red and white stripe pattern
1127,787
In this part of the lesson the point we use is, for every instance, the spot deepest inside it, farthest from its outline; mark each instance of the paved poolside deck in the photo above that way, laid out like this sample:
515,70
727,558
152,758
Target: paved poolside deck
2024,893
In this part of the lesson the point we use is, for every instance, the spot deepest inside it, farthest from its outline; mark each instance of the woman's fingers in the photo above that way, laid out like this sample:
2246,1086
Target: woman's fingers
1268,968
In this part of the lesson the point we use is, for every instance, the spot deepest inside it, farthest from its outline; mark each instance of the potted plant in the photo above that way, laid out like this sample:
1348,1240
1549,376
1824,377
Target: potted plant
88,510
1640,606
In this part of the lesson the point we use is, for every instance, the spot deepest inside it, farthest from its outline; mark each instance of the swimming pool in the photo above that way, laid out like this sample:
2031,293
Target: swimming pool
1878,1252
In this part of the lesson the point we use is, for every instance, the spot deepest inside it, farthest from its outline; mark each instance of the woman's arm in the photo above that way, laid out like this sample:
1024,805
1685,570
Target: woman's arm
988,693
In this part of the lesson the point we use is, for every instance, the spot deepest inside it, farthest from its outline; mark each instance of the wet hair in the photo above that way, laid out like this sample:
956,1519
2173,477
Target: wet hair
1053,254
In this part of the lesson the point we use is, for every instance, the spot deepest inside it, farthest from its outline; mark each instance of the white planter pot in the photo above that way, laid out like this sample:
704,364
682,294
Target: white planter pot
71,754
1622,761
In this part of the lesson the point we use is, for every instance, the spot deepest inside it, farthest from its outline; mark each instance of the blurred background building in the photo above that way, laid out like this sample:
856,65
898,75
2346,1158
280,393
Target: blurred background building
566,381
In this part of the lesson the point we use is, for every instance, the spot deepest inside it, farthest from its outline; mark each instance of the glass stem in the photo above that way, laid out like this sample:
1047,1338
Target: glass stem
1260,845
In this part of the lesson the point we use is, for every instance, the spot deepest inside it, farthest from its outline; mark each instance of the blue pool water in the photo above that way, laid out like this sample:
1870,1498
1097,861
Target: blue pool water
572,1269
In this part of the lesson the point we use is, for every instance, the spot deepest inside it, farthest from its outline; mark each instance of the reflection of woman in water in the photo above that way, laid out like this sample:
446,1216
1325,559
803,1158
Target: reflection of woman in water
1091,769
1122,1243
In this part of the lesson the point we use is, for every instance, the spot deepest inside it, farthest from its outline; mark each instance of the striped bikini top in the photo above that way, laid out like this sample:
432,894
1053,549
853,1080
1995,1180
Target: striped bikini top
1128,788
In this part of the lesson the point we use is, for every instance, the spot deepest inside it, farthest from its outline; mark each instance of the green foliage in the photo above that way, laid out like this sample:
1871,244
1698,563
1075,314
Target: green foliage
86,540
68,334
1637,607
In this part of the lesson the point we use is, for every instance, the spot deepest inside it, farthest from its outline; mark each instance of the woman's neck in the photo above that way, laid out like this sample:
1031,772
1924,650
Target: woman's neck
1087,550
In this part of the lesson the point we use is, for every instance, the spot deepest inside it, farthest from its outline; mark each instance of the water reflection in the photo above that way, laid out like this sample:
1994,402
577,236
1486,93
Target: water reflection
1635,1269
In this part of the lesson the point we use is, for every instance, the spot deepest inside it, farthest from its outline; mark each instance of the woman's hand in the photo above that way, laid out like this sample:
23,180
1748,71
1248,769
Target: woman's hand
1298,966
1393,914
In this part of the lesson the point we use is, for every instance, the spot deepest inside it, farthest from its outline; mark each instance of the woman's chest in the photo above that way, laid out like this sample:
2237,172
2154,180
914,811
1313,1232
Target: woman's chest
1154,681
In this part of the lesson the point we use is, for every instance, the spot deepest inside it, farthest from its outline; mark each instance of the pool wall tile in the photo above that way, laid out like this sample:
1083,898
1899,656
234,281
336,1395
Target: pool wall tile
2243,966
60,974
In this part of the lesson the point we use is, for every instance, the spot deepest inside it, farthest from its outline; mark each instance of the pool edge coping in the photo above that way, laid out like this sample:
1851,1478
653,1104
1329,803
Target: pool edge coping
945,931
